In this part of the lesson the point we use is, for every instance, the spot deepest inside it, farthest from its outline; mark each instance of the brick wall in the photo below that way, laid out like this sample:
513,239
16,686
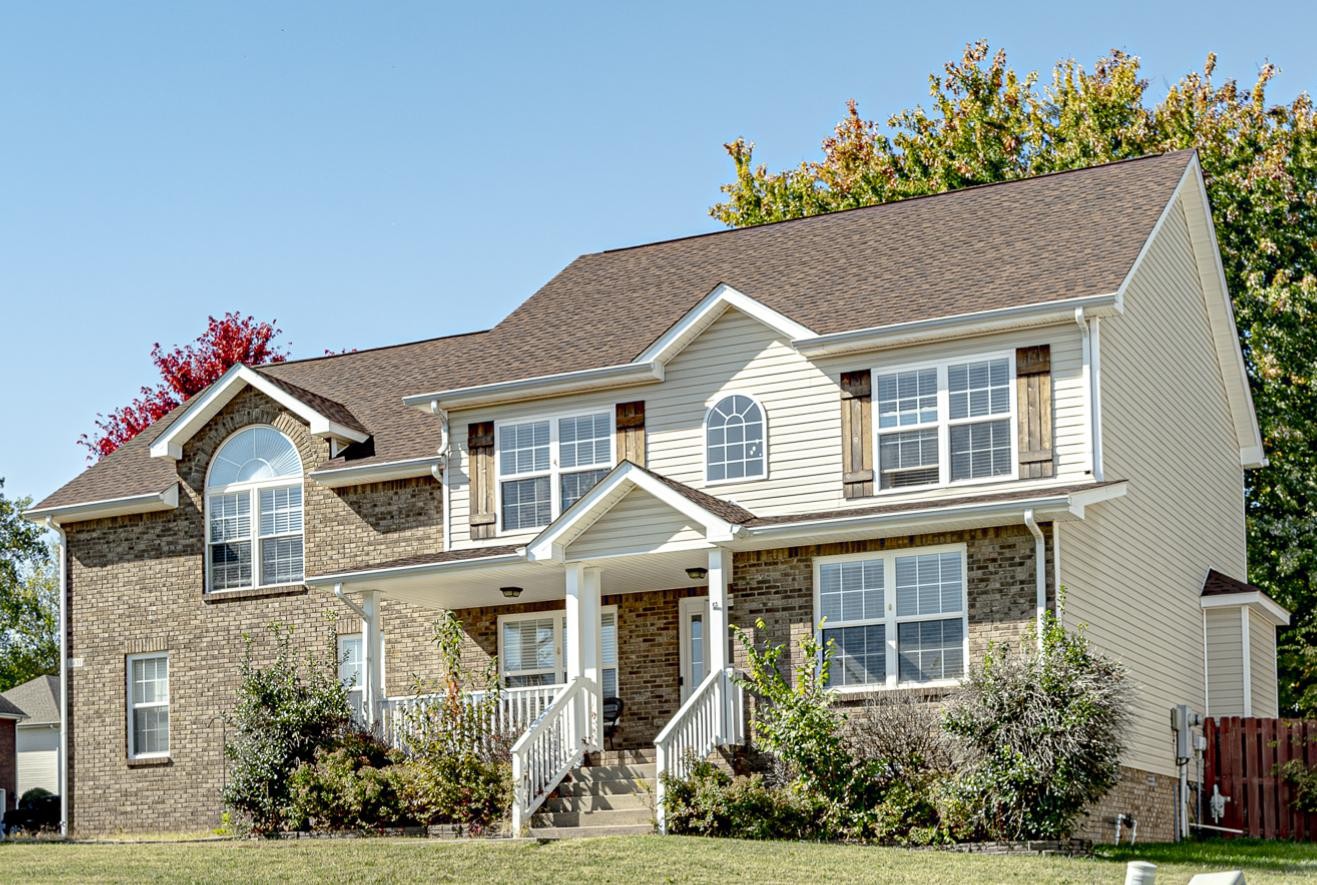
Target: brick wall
9,763
1149,798
137,584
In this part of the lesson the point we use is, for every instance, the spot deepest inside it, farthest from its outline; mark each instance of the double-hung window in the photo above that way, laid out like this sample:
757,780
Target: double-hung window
945,423
547,465
533,650
254,512
148,705
893,619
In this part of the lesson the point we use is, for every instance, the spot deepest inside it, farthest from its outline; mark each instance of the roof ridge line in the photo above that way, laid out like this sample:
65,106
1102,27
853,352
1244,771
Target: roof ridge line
355,352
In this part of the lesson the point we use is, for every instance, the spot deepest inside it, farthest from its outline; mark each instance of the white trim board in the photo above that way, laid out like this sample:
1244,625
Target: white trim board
166,499
1255,599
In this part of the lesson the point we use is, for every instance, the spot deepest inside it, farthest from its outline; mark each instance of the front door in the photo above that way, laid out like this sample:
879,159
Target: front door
694,637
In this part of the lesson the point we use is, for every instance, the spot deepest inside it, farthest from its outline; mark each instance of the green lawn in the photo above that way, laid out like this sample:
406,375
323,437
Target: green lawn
630,859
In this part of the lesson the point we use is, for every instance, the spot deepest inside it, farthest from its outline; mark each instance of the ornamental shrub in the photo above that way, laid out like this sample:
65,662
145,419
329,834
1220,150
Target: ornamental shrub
711,802
1037,733
285,713
351,786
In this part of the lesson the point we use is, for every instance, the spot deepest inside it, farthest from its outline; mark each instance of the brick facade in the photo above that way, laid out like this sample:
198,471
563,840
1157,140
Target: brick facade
1148,798
9,763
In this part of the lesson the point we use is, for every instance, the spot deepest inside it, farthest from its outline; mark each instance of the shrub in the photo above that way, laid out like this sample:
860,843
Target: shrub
354,785
456,788
284,714
1038,736
710,802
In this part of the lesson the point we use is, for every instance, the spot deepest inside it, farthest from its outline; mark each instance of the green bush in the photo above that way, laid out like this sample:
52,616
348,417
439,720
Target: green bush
284,714
456,788
352,786
1038,735
710,802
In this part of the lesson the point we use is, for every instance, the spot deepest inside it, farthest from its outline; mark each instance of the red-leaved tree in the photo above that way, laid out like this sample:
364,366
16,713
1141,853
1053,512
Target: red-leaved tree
185,371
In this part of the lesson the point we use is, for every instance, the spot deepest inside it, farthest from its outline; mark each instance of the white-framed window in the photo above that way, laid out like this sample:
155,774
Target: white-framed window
947,422
894,618
254,512
735,440
545,465
532,649
351,671
148,705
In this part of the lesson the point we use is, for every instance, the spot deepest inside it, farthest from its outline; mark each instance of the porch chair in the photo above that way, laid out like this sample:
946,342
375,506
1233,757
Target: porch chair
612,712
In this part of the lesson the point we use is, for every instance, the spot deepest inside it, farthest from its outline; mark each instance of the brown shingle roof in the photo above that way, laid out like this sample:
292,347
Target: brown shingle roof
1030,241
423,559
723,509
1218,584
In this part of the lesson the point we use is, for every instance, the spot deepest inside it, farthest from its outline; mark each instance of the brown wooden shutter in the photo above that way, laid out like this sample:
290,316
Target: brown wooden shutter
630,424
480,450
1033,397
856,435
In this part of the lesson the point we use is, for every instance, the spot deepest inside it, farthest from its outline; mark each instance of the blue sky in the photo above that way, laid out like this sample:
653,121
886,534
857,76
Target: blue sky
373,173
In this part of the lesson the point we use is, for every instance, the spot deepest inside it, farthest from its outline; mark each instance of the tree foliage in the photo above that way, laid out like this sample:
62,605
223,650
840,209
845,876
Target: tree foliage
988,123
29,598
185,371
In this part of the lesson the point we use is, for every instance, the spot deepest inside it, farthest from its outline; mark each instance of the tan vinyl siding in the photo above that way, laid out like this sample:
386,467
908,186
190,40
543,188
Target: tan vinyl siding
1134,568
1225,662
800,398
1262,650
636,524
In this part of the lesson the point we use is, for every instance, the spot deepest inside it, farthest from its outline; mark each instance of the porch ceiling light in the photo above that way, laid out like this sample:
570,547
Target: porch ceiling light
697,573
510,592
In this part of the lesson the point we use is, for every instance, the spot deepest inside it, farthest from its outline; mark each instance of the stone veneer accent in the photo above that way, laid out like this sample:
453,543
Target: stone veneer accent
137,584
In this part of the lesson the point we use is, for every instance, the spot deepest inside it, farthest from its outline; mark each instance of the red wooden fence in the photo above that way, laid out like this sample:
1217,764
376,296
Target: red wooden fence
1243,759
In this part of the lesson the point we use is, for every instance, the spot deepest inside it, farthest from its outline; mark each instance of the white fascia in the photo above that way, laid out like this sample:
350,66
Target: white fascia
551,543
710,308
374,575
165,499
1255,599
206,405
959,325
341,477
623,375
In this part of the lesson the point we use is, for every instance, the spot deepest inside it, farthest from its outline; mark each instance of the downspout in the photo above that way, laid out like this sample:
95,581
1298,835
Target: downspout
1088,331
437,470
1040,570
62,775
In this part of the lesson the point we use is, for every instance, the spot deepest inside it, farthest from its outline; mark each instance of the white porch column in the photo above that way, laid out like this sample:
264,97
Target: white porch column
720,600
583,631
372,656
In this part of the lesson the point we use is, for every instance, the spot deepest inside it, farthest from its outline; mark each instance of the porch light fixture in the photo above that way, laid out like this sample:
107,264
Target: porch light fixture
510,592
697,573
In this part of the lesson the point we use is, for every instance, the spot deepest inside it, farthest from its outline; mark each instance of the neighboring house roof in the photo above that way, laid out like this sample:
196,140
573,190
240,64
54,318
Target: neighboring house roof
1031,241
9,710
38,698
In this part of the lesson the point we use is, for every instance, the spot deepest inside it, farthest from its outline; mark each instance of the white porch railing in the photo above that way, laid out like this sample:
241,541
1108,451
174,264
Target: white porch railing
713,716
554,744
516,711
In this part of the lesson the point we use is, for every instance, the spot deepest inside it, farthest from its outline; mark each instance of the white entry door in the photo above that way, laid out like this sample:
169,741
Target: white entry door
694,637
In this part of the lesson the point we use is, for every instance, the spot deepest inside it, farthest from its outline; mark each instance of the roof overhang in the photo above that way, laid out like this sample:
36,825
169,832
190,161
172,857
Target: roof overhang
1256,600
959,326
17,717
551,543
350,475
370,576
625,375
207,404
1047,506
165,499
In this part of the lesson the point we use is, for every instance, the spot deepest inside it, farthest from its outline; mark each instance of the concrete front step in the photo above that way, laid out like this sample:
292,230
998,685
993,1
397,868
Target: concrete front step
590,774
584,832
624,757
587,820
618,786
633,801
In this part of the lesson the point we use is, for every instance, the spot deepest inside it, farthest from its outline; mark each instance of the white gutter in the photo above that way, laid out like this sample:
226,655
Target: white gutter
63,762
1040,571
543,385
167,499
340,477
965,323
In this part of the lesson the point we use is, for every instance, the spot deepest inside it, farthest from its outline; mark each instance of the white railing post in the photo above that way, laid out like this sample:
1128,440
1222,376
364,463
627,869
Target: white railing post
710,718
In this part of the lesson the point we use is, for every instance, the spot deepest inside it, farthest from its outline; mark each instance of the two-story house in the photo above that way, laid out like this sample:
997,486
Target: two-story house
904,426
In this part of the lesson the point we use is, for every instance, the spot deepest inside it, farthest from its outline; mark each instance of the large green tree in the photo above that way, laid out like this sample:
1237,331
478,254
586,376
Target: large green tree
29,598
988,123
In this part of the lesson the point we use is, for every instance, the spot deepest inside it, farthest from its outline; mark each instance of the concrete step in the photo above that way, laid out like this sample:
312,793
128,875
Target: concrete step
553,833
591,819
594,773
620,786
590,803
624,757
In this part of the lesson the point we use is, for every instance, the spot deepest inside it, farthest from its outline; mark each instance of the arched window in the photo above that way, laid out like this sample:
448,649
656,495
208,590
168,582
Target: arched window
254,512
735,434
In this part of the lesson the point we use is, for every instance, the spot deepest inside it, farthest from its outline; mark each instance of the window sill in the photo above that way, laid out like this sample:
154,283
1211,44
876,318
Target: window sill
150,761
217,596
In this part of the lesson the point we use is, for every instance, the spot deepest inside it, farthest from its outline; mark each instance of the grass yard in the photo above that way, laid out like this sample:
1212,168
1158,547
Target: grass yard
626,858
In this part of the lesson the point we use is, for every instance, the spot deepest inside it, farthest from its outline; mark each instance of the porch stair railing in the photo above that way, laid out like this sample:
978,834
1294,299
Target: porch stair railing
713,716
552,746
516,710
